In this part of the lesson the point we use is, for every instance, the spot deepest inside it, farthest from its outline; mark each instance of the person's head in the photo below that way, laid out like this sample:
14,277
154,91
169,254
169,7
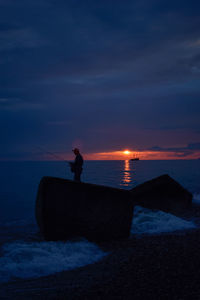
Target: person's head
76,151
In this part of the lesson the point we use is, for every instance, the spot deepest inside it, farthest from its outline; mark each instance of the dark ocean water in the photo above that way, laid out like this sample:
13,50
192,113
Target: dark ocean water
23,252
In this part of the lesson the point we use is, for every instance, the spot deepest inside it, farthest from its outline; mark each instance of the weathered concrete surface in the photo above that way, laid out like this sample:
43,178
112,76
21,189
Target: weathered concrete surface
66,209
162,193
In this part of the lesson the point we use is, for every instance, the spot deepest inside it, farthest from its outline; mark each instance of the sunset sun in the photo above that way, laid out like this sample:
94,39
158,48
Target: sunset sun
127,152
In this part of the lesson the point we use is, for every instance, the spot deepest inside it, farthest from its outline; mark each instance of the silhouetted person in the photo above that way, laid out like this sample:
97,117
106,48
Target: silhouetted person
76,166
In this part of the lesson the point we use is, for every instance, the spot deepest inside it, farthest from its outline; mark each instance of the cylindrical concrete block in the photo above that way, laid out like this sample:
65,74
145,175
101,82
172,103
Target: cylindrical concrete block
66,209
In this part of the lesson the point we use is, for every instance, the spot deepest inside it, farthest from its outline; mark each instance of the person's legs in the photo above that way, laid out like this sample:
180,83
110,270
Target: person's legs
77,176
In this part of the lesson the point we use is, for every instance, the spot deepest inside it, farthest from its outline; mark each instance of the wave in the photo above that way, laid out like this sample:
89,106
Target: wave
31,259
155,222
196,199
36,259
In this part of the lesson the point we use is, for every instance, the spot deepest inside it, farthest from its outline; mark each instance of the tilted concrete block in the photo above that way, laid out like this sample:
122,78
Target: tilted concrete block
163,193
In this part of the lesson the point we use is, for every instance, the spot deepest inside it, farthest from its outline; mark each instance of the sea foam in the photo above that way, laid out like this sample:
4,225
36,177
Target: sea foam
196,199
147,221
31,259
36,259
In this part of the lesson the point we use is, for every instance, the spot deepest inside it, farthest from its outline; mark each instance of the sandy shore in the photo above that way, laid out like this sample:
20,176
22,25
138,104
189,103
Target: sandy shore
165,266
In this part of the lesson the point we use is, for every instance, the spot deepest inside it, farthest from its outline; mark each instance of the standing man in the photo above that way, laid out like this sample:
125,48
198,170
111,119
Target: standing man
76,166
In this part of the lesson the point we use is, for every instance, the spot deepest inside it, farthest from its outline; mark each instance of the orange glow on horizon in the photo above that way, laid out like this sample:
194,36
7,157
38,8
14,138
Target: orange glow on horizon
124,155
112,155
143,155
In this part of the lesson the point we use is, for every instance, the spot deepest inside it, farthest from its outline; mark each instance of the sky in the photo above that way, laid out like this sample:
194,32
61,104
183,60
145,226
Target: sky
103,76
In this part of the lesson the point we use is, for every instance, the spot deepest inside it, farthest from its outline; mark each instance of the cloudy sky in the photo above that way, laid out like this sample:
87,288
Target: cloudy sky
100,75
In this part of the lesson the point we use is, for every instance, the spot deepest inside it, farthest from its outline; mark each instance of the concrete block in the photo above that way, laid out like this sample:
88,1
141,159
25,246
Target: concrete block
66,209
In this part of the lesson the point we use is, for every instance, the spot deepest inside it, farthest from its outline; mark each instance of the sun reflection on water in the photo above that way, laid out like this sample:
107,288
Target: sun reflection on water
126,173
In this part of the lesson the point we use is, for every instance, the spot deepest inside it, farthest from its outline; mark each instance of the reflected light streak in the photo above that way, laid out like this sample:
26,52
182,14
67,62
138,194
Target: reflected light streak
126,173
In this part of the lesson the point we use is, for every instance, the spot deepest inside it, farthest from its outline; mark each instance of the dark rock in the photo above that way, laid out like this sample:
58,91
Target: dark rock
162,193
66,209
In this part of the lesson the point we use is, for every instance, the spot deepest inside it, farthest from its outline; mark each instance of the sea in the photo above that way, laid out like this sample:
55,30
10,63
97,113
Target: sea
23,252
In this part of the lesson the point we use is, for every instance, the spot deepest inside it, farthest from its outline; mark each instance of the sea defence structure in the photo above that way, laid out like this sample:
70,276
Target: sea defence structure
67,209
163,193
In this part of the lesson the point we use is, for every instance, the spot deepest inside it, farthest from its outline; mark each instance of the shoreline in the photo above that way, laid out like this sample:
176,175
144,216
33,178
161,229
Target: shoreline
155,266
147,267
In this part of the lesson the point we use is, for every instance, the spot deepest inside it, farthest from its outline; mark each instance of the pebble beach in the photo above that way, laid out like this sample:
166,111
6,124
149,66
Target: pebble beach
147,267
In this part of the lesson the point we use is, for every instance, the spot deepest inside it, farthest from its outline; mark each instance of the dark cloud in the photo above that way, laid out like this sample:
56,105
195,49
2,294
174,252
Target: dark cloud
106,72
194,146
180,151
